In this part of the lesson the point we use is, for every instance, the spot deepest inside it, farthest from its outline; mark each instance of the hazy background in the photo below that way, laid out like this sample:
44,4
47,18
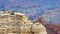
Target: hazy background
34,8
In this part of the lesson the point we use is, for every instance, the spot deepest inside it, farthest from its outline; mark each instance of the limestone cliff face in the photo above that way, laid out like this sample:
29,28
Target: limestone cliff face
17,23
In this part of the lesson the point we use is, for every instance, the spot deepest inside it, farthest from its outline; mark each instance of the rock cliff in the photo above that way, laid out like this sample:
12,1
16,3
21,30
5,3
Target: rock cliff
17,23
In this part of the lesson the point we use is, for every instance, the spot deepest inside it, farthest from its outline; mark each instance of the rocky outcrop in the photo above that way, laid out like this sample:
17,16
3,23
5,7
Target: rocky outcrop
54,28
51,28
18,23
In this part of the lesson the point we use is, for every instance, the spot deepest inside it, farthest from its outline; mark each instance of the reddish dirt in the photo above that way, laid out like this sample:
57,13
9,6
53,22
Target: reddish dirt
51,28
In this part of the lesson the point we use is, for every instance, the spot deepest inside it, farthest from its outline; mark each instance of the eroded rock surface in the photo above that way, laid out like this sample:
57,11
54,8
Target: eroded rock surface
17,23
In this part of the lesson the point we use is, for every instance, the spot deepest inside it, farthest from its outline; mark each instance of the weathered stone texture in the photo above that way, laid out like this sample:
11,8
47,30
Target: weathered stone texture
19,24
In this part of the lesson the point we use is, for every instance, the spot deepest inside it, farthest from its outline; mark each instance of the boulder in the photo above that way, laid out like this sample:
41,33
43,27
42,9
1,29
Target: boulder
18,23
